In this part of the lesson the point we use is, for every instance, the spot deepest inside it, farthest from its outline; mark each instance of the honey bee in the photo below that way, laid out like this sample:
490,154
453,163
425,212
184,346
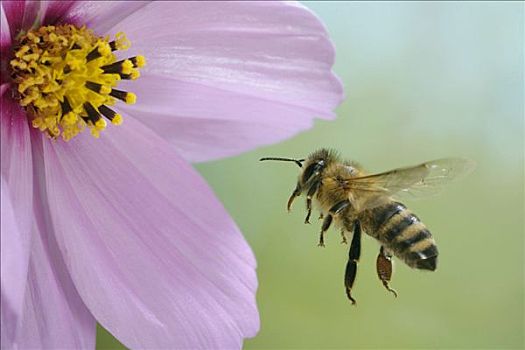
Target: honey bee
356,201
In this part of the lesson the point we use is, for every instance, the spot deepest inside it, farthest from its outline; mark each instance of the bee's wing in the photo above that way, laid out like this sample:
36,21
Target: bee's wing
415,182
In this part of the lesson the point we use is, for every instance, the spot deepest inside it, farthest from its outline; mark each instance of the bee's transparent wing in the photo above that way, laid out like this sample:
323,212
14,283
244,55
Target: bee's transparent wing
418,181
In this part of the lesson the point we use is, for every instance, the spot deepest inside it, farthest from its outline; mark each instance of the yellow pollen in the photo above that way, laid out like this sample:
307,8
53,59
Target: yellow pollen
131,98
140,61
100,124
117,120
121,42
66,76
135,74
127,66
69,118
105,90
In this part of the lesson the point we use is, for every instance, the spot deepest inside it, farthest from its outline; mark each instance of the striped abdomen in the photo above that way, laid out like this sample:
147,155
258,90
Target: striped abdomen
401,232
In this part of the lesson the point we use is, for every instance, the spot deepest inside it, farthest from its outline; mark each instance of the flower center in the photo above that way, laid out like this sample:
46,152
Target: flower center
66,76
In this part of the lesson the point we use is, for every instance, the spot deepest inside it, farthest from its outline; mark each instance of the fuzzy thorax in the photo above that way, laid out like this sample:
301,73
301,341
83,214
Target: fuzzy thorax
65,79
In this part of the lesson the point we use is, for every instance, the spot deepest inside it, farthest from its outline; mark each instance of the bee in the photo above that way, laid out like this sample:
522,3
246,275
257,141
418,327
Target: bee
356,201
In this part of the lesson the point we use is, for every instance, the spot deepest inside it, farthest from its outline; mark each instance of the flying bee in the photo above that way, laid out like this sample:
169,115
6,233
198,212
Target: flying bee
356,201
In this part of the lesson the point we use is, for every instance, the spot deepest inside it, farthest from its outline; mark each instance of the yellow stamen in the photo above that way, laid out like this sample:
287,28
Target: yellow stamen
127,66
135,74
100,124
117,120
66,77
121,42
140,61
131,98
69,118
105,90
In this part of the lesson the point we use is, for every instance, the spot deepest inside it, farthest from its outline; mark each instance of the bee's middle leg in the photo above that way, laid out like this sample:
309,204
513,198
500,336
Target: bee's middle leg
353,256
335,210
311,192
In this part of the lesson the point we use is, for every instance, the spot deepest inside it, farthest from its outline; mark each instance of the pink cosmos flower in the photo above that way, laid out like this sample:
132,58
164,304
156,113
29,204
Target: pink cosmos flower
118,228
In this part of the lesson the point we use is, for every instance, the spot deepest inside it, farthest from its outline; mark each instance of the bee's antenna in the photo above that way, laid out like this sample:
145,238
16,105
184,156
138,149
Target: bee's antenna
296,161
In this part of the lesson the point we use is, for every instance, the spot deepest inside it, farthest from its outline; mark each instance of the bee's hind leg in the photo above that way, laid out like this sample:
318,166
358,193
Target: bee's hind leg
311,192
384,268
353,256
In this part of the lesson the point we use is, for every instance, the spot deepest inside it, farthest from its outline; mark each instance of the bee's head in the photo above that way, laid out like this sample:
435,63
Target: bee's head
312,170
315,164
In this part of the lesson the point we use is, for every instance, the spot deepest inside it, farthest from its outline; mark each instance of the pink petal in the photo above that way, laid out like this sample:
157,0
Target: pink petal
55,11
17,181
21,14
54,315
14,12
5,33
14,257
153,254
5,45
3,88
102,15
275,55
213,123
16,163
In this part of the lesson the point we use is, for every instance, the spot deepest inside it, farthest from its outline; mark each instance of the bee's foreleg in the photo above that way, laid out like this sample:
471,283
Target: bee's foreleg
311,192
335,210
353,256
295,193
384,269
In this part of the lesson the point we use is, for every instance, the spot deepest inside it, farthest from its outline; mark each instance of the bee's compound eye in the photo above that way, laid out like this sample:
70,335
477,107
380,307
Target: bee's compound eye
312,169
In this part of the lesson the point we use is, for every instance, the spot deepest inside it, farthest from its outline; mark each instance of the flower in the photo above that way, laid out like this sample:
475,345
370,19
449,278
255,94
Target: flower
120,229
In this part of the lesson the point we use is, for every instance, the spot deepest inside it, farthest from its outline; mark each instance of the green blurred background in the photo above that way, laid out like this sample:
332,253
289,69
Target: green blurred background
423,80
